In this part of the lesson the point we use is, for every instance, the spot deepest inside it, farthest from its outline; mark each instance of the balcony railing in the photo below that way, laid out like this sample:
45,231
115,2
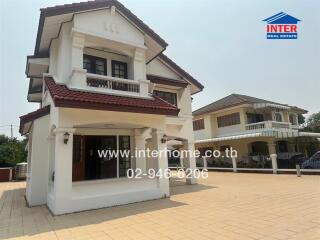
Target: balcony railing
269,125
114,84
80,79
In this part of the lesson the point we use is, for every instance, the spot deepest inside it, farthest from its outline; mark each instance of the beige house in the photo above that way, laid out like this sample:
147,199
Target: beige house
102,82
260,131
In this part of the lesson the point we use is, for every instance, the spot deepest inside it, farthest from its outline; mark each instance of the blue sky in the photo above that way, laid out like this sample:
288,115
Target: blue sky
220,42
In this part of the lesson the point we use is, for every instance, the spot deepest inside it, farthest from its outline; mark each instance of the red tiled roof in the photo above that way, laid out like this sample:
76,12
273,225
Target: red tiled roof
64,97
33,116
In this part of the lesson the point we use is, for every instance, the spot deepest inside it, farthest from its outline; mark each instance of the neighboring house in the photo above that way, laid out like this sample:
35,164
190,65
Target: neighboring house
102,82
253,127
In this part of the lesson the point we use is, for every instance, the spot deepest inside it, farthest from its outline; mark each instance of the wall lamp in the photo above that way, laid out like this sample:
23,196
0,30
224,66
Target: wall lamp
66,136
164,139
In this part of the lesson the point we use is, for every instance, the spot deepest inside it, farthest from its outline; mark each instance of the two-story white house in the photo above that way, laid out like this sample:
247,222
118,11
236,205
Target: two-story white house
255,128
102,82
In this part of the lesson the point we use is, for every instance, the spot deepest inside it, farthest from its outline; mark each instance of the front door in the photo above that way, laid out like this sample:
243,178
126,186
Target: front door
99,166
108,165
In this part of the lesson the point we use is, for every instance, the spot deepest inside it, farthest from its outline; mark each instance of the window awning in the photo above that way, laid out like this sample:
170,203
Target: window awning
235,137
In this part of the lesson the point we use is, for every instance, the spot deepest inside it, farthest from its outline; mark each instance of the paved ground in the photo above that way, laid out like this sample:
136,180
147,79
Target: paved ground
225,206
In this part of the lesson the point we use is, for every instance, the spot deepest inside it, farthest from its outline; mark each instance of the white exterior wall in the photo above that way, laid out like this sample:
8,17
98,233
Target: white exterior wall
37,180
156,67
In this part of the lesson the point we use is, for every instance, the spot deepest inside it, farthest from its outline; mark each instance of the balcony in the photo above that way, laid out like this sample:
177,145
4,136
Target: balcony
270,125
82,80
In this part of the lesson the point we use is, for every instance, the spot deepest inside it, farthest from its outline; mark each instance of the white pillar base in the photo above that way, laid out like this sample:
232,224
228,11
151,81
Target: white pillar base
274,163
234,164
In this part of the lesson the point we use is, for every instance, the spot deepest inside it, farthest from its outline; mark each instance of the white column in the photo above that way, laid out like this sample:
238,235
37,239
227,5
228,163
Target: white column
63,171
140,143
181,162
162,160
190,162
273,156
139,64
234,164
78,74
205,164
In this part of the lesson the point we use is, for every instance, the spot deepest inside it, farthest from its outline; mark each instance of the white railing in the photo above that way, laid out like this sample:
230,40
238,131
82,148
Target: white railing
80,79
254,126
100,81
269,125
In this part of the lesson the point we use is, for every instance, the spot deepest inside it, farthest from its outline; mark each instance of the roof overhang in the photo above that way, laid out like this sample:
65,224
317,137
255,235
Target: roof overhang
270,105
228,138
64,97
52,18
26,121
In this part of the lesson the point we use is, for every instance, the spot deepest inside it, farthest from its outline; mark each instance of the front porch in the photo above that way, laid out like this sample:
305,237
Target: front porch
75,174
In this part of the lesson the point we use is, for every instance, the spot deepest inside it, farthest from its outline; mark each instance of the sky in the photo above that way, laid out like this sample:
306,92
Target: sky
222,43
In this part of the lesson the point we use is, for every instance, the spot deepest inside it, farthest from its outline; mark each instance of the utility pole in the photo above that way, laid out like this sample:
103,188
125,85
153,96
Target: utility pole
12,147
11,131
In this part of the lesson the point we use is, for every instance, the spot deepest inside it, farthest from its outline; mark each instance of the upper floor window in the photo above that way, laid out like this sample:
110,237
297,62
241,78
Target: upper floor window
95,65
293,119
228,120
198,124
167,96
277,117
254,118
119,69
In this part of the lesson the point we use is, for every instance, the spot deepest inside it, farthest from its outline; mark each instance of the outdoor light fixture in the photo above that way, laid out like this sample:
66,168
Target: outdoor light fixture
164,139
66,137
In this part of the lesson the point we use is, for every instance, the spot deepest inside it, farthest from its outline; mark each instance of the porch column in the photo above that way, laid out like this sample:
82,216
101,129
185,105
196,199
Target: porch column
190,161
140,143
273,156
62,170
162,159
234,164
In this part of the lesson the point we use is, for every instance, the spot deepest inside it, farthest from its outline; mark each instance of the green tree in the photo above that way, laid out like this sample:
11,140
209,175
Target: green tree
301,119
313,123
12,151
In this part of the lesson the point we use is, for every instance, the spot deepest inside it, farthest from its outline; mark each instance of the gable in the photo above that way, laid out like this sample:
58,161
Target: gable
156,67
110,24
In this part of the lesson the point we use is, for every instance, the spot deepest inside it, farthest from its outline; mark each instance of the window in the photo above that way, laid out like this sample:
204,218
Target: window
124,159
95,65
93,157
198,124
228,120
167,96
293,119
119,69
277,117
254,118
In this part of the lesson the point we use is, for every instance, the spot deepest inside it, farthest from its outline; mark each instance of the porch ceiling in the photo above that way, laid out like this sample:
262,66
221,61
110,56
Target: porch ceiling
110,126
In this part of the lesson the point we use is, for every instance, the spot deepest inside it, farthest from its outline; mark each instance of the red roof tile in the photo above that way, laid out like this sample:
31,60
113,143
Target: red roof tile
33,116
64,97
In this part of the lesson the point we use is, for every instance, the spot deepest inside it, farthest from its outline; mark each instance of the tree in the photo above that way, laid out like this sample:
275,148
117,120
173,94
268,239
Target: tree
313,123
301,119
12,151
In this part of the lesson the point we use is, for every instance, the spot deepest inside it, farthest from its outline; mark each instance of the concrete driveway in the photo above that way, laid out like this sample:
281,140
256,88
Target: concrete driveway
224,206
